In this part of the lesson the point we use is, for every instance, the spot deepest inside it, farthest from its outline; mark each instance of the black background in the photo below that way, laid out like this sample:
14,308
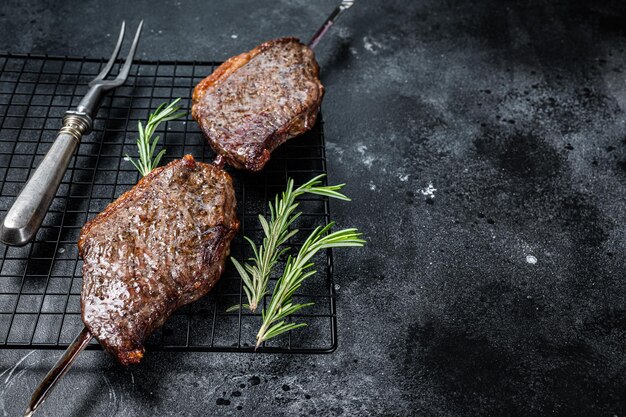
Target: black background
513,111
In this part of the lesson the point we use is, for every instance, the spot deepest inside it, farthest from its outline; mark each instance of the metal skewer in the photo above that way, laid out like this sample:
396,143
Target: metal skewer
344,5
84,337
71,353
66,361
58,370
88,106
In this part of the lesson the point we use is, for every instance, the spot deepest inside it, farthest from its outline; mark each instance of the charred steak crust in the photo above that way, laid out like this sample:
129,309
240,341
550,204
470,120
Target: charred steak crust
159,246
257,100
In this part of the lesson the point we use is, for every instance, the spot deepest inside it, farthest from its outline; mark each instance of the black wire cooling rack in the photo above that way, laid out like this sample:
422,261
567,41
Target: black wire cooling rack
40,283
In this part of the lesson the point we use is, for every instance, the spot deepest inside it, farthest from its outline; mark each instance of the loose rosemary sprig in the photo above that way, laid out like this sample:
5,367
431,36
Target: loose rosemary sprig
298,269
255,273
147,161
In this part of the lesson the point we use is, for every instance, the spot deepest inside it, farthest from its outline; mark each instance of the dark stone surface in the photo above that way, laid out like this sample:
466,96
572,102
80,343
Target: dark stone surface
513,111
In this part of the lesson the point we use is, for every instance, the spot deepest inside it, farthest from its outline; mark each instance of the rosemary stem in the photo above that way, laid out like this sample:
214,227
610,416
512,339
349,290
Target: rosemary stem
277,231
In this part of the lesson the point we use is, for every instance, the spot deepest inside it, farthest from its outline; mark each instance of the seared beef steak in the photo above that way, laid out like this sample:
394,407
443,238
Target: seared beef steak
159,246
257,100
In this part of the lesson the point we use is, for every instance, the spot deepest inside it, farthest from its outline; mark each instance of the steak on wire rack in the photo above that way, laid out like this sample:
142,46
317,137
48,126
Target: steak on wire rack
257,100
159,246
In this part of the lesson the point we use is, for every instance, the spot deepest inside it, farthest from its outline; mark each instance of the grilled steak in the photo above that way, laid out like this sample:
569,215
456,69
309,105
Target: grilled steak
258,100
159,246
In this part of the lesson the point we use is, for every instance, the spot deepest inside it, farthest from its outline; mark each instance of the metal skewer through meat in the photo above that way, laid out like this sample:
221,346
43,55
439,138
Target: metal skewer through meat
159,246
257,100
163,244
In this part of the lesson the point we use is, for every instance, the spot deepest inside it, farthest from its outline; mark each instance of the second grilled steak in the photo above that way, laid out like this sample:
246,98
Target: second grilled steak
159,246
257,100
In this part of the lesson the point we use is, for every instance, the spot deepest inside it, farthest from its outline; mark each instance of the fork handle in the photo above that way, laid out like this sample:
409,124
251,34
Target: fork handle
22,221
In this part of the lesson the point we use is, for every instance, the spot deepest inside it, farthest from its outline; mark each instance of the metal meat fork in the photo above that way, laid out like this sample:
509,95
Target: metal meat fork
29,209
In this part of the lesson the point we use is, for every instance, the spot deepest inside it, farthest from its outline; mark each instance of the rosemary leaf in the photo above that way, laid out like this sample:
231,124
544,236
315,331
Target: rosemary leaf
146,146
297,270
277,231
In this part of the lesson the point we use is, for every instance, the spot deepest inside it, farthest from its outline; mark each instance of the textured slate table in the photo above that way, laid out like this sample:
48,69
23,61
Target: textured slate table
484,146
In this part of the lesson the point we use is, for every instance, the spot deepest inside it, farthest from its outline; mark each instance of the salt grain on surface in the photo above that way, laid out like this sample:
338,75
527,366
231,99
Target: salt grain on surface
531,259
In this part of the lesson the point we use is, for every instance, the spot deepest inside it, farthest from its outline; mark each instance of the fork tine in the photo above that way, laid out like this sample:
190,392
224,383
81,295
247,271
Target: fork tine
109,64
131,55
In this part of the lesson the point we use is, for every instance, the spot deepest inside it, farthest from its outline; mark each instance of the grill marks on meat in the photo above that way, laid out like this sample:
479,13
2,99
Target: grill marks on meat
159,246
256,101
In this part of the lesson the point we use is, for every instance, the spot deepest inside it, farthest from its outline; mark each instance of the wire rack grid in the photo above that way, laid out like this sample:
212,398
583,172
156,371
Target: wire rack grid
40,283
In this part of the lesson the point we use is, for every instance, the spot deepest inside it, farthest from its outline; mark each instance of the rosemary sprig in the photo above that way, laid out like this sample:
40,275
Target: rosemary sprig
298,269
255,273
147,161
